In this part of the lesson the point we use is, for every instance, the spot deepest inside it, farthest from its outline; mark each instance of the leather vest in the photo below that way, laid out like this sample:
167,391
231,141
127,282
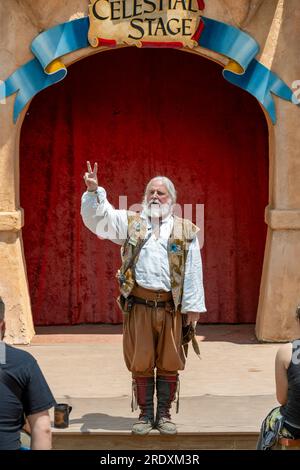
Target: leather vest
182,234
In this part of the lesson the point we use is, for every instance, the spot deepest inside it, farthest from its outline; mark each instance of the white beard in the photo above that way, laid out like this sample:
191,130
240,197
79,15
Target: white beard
157,210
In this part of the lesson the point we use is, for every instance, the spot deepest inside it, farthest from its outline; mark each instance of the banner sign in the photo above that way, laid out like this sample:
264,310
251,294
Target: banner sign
144,22
147,23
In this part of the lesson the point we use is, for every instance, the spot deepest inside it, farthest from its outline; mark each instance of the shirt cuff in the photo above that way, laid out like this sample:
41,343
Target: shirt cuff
203,310
100,193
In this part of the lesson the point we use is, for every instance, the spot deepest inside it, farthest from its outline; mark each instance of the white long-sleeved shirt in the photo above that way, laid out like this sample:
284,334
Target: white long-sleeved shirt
152,269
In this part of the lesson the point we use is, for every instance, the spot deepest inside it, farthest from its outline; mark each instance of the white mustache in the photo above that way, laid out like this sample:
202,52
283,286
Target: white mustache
154,201
156,207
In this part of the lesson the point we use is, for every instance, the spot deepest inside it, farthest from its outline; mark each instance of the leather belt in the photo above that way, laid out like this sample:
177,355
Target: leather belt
150,294
149,303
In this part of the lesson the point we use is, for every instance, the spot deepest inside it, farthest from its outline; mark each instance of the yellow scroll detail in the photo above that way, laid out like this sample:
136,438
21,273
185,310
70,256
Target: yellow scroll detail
54,66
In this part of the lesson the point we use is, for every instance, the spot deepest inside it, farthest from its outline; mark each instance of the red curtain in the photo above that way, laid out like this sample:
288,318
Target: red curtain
140,113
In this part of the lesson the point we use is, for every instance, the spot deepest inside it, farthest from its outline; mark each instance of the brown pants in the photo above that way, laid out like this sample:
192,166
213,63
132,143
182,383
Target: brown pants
152,338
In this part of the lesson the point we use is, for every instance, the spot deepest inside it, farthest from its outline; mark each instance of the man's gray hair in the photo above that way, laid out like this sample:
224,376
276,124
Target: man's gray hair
167,183
2,309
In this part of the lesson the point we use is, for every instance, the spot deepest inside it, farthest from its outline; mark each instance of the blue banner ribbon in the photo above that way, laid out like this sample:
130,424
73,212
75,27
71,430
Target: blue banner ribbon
245,72
253,77
33,77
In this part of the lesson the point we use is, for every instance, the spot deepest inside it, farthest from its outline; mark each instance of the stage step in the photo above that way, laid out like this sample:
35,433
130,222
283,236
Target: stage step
154,441
207,422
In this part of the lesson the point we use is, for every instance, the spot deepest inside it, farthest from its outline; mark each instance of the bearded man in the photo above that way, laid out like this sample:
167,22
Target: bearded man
161,289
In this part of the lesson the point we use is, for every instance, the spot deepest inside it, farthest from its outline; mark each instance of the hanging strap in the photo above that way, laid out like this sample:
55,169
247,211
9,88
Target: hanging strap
135,254
189,334
134,403
177,393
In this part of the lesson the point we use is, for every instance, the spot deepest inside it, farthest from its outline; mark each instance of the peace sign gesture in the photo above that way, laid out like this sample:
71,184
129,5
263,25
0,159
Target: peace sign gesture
90,177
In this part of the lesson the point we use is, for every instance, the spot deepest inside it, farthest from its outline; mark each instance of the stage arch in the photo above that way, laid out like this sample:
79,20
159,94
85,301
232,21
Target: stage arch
140,113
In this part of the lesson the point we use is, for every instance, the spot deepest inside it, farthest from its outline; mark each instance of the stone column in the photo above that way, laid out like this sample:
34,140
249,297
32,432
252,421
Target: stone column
280,286
17,32
13,279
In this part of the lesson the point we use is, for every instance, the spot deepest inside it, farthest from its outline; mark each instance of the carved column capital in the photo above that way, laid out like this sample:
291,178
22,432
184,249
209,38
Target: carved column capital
11,221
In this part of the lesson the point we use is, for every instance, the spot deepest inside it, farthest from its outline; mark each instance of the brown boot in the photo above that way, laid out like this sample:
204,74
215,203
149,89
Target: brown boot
144,390
166,388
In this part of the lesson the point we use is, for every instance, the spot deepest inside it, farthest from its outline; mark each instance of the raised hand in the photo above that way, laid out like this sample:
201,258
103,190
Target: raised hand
90,177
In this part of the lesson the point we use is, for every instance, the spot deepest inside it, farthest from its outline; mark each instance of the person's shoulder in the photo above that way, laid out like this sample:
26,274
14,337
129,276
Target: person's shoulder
284,353
285,347
15,354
